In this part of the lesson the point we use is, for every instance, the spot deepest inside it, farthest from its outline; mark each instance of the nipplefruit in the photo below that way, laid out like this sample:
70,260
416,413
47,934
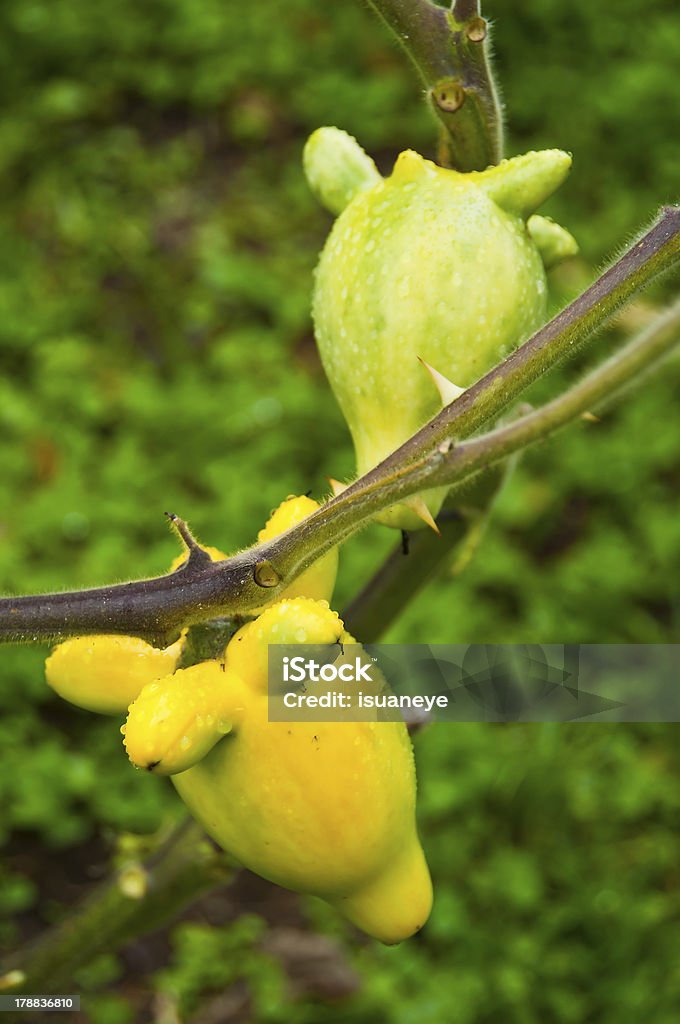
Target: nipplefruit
326,808
428,264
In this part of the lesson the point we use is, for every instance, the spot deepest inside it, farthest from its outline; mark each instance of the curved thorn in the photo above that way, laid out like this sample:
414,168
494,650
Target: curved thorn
419,508
197,554
336,487
448,391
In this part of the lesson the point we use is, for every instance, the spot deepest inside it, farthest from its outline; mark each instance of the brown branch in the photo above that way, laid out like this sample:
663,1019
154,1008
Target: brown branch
201,590
449,50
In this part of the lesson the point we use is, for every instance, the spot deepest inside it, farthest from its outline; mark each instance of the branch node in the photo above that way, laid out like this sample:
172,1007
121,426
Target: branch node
448,95
476,30
265,574
447,43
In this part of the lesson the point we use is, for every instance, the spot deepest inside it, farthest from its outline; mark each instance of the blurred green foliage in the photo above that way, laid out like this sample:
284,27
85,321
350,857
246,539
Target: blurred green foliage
212,959
156,248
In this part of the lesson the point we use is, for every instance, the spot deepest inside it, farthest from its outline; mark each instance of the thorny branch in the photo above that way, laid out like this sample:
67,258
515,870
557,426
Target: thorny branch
449,49
201,590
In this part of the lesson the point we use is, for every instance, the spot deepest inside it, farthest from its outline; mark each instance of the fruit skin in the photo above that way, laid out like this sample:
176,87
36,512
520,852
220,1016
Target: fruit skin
326,808
105,673
176,720
429,263
337,168
288,621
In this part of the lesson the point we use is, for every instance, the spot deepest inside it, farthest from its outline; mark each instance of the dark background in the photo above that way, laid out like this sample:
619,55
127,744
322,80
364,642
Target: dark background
156,246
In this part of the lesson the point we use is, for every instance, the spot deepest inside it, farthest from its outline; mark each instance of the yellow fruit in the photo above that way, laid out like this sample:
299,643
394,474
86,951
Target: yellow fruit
106,673
326,808
300,621
176,720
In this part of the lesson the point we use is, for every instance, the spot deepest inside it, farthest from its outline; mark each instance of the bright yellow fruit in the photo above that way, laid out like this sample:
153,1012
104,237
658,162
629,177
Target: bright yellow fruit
326,808
297,621
105,673
176,720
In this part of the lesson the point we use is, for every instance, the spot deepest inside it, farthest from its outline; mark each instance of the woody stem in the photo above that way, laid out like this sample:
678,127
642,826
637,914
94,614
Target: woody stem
449,49
201,590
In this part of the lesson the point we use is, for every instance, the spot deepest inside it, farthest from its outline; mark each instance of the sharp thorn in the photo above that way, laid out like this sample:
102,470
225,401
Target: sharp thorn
448,391
418,506
336,487
590,417
197,554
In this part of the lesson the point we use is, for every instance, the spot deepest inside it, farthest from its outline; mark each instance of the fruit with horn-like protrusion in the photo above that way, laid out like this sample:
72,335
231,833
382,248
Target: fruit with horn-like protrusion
428,263
175,721
322,807
105,673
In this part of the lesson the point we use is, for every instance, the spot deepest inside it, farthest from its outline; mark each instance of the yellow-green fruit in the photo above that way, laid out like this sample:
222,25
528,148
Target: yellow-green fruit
433,264
326,808
176,720
106,673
